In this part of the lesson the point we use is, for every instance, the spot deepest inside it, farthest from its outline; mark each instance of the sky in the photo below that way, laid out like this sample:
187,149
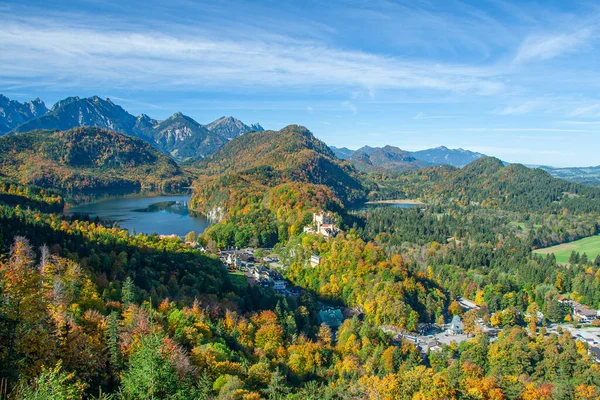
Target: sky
516,80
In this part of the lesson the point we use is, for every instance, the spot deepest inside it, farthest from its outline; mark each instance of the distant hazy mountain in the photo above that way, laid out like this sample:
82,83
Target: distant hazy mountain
585,175
443,155
179,135
14,113
230,128
342,153
437,156
369,159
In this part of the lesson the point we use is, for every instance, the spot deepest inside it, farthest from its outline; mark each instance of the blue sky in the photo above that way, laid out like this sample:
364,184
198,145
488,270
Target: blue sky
517,80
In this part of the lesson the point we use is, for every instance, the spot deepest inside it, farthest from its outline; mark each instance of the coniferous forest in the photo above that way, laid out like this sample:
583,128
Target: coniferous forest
89,310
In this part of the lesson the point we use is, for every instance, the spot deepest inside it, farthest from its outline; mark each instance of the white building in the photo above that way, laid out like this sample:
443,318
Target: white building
456,326
279,284
315,260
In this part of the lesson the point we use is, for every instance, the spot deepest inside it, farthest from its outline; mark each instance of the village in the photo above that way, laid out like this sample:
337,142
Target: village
260,266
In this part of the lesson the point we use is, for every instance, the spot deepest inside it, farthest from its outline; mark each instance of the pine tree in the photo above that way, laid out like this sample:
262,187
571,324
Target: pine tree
128,292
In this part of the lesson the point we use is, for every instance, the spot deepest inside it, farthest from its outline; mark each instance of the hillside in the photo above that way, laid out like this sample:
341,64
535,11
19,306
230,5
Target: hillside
179,136
488,182
277,177
389,158
85,158
14,113
443,155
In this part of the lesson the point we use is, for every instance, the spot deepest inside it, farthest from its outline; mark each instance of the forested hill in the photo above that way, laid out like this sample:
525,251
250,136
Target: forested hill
85,158
488,182
292,154
272,179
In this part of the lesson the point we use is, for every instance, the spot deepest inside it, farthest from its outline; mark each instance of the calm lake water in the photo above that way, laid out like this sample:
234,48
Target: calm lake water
371,206
164,215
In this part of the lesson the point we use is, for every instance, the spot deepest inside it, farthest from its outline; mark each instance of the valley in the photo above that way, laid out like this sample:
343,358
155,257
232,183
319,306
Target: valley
283,250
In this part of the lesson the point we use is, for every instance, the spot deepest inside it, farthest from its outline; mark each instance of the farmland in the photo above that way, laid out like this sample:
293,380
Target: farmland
589,246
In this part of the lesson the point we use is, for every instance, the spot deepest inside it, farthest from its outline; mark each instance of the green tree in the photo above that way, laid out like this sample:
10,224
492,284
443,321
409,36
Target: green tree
191,237
52,383
150,374
128,292
112,342
277,387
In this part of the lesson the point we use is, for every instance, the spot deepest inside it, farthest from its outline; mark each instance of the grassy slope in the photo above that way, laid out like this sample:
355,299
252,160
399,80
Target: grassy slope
589,246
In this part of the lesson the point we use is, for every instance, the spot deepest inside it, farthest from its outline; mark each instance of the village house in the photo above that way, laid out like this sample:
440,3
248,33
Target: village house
233,261
279,284
583,314
456,326
315,260
467,304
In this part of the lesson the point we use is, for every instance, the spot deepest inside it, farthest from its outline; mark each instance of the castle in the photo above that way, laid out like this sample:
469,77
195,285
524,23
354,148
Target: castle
323,225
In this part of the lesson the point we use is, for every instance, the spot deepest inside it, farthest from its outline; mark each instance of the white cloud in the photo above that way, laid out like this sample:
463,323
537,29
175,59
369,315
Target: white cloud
521,109
569,122
544,47
55,53
422,115
542,130
592,110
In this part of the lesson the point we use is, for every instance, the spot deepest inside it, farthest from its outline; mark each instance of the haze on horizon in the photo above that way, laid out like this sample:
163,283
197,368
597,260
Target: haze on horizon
515,80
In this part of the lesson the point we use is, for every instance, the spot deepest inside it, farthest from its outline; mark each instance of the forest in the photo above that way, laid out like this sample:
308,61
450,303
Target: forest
86,158
88,310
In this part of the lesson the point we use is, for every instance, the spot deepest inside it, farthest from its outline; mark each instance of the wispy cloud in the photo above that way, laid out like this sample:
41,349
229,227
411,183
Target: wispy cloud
57,53
571,122
520,109
542,130
422,115
588,111
547,46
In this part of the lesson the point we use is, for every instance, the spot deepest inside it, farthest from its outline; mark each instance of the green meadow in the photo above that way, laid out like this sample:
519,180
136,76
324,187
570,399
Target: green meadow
589,246
238,279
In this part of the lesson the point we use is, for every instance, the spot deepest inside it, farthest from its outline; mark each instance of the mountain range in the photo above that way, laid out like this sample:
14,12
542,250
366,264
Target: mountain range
370,159
184,139
179,136
14,113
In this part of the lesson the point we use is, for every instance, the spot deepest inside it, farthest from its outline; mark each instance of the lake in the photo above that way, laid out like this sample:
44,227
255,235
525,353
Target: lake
389,204
162,214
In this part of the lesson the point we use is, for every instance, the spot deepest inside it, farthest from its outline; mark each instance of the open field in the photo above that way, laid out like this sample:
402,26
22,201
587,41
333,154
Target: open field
589,246
238,279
